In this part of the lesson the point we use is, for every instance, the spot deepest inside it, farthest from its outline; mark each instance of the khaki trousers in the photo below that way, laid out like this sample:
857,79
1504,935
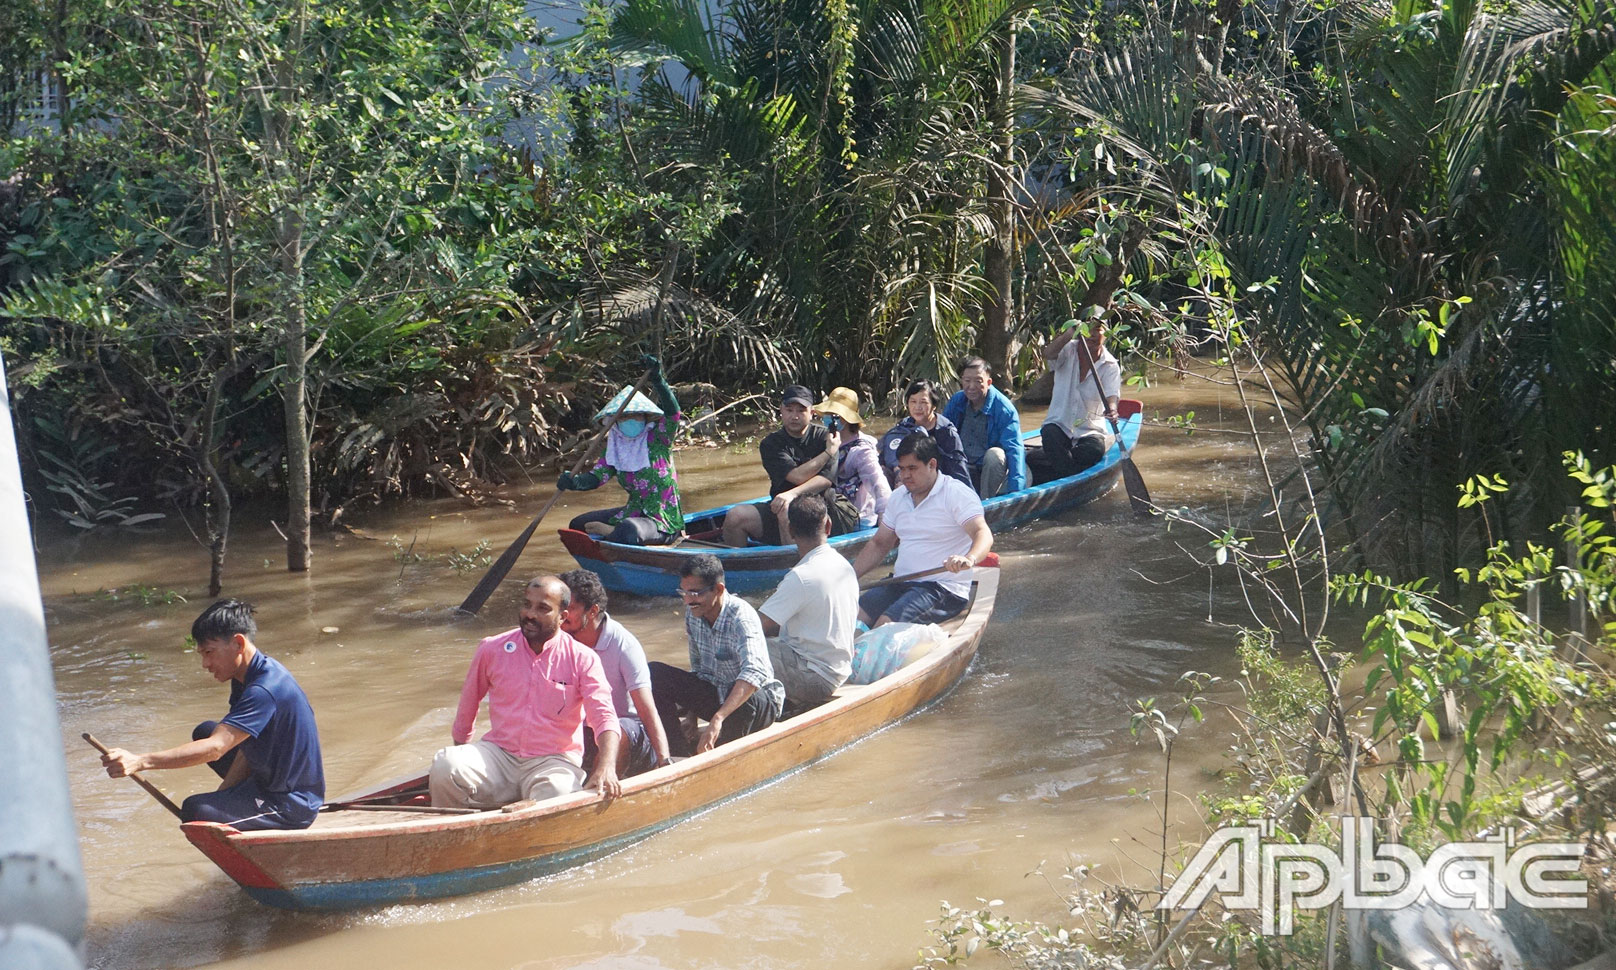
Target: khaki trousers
485,775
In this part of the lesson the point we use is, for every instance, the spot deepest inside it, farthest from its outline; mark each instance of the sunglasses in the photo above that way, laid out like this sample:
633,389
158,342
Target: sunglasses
693,593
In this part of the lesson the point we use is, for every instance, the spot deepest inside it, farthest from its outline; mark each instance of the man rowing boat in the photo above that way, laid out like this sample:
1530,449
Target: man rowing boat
1076,433
266,749
937,525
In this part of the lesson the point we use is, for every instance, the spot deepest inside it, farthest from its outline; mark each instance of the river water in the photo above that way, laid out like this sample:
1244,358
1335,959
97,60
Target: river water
1028,763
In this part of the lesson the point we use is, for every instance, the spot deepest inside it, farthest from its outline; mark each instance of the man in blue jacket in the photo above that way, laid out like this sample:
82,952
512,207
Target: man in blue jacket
990,430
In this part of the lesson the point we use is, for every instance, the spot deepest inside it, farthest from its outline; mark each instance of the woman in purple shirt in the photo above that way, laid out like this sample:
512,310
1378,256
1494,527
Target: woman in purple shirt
858,466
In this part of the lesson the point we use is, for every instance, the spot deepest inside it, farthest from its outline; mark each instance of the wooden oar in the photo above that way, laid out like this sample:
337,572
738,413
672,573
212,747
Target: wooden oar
497,572
1138,494
906,577
134,776
687,541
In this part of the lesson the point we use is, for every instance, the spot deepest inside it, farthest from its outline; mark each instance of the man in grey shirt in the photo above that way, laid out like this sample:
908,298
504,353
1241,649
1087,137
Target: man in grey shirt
644,745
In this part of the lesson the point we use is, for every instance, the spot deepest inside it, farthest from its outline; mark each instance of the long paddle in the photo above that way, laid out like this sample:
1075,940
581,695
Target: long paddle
1138,494
497,572
906,577
134,776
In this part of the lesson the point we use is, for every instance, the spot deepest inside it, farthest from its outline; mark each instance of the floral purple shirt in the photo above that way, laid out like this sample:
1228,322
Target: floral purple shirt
859,479
653,491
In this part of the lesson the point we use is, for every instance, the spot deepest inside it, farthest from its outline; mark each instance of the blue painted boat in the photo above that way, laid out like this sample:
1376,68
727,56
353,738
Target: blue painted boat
654,570
378,847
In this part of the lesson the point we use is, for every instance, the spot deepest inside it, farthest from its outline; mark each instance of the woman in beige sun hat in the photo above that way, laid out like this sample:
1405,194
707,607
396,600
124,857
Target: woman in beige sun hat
858,466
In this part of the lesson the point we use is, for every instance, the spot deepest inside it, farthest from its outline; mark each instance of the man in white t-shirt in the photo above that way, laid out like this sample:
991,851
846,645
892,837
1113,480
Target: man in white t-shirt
811,616
1077,431
938,526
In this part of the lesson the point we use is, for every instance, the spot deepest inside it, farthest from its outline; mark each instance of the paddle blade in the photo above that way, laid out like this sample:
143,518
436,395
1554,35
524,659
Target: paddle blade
502,566
1138,494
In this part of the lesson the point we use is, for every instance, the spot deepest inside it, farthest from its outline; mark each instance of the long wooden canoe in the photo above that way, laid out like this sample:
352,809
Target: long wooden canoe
654,570
355,858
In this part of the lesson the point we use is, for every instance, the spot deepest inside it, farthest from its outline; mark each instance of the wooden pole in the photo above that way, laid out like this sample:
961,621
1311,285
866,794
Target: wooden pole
1132,481
1577,603
134,776
891,580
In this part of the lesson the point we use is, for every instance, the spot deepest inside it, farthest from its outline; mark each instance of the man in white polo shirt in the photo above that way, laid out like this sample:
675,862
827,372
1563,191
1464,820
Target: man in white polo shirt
811,616
938,526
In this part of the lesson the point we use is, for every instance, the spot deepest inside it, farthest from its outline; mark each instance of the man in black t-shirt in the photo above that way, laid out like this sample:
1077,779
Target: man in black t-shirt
801,460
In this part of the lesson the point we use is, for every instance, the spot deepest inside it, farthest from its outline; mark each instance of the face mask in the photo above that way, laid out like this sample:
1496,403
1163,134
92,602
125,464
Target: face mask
830,422
631,427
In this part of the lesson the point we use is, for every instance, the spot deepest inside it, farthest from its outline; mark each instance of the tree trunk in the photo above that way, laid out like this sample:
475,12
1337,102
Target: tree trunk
221,224
294,398
219,505
998,258
58,80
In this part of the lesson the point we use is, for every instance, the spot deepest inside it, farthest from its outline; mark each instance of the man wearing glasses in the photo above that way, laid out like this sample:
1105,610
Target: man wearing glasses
730,682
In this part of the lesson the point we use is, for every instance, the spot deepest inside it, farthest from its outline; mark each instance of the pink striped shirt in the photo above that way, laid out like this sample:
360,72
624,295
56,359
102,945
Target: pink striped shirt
539,702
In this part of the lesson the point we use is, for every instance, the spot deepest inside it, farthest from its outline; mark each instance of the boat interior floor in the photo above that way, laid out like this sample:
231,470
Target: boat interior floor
373,817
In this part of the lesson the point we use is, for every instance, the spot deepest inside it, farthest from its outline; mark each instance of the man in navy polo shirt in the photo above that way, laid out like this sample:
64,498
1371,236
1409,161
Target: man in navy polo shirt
266,749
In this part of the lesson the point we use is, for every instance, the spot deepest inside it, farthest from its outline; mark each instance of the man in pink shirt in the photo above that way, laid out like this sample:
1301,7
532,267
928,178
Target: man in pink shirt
542,687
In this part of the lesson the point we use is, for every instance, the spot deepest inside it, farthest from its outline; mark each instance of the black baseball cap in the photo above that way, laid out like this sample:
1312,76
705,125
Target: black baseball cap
797,394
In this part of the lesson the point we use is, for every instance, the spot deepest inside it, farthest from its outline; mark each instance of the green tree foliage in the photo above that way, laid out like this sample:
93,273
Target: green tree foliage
1401,204
858,136
306,200
1426,207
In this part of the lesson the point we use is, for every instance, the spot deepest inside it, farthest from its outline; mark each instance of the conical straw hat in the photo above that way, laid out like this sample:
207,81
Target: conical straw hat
640,405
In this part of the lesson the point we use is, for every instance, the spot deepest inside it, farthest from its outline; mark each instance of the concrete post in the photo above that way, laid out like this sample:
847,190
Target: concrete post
43,905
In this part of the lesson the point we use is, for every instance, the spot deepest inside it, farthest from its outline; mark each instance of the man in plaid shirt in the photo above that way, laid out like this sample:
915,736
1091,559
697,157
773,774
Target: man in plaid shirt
730,682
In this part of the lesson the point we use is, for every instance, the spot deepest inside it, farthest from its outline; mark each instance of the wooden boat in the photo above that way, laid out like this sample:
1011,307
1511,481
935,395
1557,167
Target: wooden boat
389,851
654,570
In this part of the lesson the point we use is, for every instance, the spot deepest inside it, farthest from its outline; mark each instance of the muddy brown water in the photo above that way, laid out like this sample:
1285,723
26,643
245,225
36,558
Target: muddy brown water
1027,764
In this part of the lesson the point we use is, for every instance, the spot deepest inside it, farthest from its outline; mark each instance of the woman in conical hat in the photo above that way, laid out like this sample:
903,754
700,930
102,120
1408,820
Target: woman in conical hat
639,454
